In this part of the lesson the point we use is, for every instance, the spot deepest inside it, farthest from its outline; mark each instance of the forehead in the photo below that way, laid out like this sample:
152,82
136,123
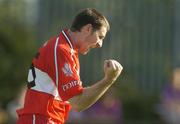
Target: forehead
102,31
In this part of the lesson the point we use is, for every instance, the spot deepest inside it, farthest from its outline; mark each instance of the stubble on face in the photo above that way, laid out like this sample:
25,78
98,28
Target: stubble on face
93,39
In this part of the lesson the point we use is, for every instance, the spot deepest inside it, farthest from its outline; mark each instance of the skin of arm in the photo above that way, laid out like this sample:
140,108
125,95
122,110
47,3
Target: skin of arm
91,94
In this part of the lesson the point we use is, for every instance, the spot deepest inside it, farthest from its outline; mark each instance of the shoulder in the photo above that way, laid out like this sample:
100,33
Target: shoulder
62,48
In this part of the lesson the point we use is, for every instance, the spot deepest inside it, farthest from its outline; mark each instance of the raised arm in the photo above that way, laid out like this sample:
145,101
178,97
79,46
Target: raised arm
91,94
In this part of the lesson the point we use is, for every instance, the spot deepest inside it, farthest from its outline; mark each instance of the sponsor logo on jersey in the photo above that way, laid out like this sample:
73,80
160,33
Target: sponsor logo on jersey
71,84
67,70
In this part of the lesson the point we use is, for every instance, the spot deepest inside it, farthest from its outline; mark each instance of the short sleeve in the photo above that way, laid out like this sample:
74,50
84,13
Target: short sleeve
69,83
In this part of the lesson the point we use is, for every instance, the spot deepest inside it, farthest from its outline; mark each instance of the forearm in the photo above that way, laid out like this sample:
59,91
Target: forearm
91,94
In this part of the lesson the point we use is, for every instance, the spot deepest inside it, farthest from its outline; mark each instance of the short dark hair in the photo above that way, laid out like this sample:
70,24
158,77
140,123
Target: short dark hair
89,16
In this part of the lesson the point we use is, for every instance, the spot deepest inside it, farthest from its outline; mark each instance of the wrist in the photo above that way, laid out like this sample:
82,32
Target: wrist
109,80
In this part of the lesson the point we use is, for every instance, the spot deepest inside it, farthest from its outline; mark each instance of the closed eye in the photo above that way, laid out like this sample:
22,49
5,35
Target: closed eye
101,37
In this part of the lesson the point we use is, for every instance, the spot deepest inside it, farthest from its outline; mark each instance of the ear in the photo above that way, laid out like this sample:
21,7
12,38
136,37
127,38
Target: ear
87,29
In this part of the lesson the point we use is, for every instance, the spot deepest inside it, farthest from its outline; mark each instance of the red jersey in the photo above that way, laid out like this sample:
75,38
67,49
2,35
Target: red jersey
53,78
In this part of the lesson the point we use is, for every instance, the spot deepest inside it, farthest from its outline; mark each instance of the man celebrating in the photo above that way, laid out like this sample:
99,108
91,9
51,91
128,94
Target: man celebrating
54,84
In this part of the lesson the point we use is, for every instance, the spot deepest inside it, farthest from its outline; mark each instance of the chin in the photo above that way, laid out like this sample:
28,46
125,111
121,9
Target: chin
84,52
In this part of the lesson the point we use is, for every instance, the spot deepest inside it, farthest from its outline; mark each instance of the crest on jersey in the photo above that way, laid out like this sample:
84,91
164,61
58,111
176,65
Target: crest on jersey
67,70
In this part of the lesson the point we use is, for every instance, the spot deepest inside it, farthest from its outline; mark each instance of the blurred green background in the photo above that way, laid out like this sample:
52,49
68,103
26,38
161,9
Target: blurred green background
144,38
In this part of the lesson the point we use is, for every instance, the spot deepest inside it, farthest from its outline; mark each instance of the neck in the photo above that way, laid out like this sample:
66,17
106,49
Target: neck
73,37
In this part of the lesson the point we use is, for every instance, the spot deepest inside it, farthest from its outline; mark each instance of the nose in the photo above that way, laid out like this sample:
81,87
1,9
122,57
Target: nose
99,44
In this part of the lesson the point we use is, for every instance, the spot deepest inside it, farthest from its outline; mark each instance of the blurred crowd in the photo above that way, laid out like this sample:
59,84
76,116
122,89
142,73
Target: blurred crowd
8,115
108,110
169,107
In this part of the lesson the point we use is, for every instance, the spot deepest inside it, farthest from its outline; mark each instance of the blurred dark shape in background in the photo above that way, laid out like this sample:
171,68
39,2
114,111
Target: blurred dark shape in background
3,116
15,104
108,110
169,108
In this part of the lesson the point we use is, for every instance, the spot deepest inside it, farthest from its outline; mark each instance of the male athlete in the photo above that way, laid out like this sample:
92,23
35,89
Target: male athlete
54,84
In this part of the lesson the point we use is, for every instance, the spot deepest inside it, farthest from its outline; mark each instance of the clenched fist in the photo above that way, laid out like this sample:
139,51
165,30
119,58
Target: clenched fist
112,70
